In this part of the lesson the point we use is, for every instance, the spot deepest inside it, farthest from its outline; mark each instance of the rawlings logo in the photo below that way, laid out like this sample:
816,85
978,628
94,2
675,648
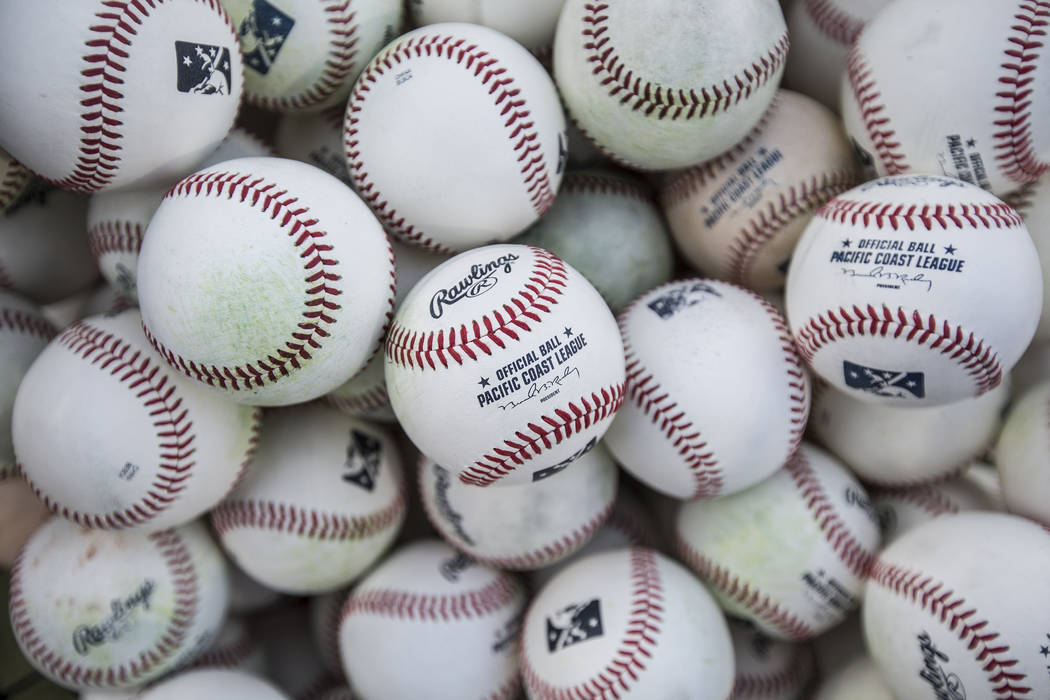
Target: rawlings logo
480,280
119,620
946,686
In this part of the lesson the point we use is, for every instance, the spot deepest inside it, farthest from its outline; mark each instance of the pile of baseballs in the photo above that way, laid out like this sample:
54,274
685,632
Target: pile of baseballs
383,350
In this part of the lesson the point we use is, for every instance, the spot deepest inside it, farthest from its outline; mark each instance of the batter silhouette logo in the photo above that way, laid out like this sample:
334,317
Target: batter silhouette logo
203,69
884,382
263,33
682,297
574,624
362,460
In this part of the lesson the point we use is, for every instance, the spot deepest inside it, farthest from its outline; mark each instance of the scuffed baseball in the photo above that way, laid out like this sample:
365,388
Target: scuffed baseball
790,554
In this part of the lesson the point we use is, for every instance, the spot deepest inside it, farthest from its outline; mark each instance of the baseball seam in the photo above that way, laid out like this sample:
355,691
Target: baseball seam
1022,199
894,484
419,349
663,102
796,375
319,307
833,21
174,428
599,183
186,598
365,402
542,433
17,321
881,215
980,363
114,237
874,114
339,63
508,100
230,656
990,652
510,689
14,179
852,553
312,523
785,682
927,498
329,647
493,597
107,50
1014,151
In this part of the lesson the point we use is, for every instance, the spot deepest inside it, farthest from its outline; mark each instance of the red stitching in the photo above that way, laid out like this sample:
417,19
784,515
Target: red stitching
291,519
833,21
366,402
640,639
418,349
17,321
873,113
184,582
510,689
114,237
493,597
930,499
935,597
176,441
249,453
904,484
851,552
320,280
894,216
15,177
507,98
980,362
107,49
1013,142
582,182
330,635
786,682
542,433
338,64
5,280
1022,199
796,374
742,593
664,102
231,655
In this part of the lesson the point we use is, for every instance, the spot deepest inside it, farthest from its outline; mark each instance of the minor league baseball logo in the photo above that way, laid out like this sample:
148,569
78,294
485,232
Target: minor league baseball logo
574,624
675,300
263,33
362,460
203,69
884,382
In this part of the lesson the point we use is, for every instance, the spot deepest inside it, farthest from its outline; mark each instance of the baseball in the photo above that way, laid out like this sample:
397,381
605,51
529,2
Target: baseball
1032,202
315,138
181,447
324,500
1022,456
14,177
439,608
234,648
767,668
531,24
887,292
739,216
790,554
451,182
668,83
525,526
213,684
111,610
898,446
980,62
603,210
716,397
936,622
628,623
502,365
114,73
266,279
304,55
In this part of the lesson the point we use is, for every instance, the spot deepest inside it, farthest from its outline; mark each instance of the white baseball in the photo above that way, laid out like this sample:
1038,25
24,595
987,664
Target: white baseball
1032,202
860,679
739,216
887,292
503,362
821,33
767,668
716,397
111,610
213,684
790,554
457,182
982,64
24,333
628,623
265,278
957,608
14,178
899,446
1022,454
607,226
44,255
139,92
180,451
524,526
668,83
439,608
324,500
531,24
304,55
